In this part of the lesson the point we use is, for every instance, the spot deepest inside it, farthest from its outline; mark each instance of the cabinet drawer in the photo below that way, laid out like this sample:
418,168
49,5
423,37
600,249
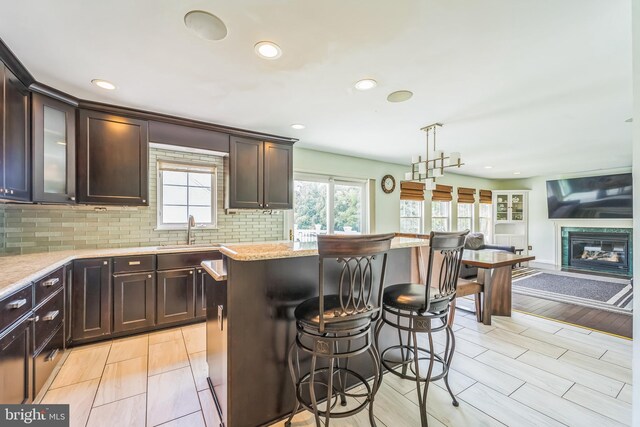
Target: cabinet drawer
49,317
16,305
47,359
132,264
48,285
183,260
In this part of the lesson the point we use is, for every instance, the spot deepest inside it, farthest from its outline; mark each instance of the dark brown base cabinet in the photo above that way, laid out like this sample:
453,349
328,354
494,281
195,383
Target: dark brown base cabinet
176,295
133,301
201,298
15,363
91,314
46,359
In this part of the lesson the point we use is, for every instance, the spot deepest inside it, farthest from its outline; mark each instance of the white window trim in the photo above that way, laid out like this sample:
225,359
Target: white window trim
214,194
332,180
449,217
471,218
421,217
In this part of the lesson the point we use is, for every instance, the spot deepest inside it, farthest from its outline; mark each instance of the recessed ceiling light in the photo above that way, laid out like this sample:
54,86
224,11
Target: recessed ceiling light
103,84
205,25
268,50
516,173
488,167
298,126
366,84
399,96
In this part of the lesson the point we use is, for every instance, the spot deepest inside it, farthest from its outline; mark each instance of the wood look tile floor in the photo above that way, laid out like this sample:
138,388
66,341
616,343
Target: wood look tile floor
520,371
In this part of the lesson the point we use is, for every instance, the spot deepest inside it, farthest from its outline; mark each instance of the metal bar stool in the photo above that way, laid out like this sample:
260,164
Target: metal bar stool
418,308
333,328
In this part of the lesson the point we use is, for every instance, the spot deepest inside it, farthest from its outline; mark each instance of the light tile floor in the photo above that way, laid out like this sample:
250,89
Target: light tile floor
521,371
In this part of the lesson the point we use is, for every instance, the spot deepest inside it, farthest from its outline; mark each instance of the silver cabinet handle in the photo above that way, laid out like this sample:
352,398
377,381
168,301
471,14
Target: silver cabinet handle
149,276
17,303
220,316
50,282
51,356
134,262
267,205
105,262
50,315
191,272
33,319
72,198
199,270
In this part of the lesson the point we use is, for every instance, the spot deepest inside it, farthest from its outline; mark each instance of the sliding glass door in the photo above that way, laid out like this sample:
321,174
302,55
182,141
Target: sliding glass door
328,205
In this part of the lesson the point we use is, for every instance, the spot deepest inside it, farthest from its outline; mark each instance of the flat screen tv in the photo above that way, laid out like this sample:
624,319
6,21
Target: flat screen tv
607,196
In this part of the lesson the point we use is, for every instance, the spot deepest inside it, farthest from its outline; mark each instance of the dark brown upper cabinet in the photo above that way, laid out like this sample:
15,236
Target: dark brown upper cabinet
54,150
113,160
246,180
260,175
15,159
278,176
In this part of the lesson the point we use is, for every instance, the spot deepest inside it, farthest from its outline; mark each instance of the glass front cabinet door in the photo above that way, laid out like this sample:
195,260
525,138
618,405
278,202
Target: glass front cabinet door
517,207
502,207
54,129
510,207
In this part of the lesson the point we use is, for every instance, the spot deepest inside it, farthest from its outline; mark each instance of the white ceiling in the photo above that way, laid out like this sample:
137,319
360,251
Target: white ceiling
539,87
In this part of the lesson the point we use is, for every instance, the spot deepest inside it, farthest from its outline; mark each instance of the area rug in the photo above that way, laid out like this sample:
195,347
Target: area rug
616,296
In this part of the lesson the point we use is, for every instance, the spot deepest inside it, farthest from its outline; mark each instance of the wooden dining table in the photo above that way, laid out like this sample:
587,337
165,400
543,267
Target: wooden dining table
494,273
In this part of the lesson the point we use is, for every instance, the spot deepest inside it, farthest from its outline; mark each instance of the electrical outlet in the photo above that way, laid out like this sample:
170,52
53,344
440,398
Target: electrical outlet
530,248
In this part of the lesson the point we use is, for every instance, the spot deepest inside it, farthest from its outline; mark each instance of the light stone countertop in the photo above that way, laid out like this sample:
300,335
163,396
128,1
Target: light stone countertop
20,270
287,249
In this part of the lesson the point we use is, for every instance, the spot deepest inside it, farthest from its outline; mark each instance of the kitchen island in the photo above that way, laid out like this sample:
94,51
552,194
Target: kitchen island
252,293
251,296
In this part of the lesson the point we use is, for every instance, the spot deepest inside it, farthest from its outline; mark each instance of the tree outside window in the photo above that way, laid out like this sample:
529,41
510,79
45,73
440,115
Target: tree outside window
465,216
411,216
440,216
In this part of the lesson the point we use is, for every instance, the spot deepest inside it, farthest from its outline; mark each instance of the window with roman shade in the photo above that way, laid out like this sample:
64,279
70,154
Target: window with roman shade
410,190
485,196
441,198
485,215
442,193
466,195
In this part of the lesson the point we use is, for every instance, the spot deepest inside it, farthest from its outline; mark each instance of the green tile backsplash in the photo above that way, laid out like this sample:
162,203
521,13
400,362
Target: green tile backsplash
41,228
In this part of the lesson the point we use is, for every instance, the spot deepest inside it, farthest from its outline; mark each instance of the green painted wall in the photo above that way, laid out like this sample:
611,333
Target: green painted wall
385,207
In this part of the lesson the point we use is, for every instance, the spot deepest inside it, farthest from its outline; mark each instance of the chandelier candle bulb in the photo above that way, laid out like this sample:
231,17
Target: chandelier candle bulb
454,159
437,154
429,185
422,168
437,173
415,159
408,176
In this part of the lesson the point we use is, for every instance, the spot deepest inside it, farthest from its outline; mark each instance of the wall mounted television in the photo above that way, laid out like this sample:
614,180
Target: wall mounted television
597,197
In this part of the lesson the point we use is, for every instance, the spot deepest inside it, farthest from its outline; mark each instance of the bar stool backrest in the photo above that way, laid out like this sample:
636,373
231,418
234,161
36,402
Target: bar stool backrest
443,266
356,254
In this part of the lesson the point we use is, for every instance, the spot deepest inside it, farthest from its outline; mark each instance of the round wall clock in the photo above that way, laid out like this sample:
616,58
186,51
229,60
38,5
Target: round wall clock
388,184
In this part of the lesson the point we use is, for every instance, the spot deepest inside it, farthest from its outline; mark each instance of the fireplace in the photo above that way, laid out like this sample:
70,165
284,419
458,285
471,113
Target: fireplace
602,250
